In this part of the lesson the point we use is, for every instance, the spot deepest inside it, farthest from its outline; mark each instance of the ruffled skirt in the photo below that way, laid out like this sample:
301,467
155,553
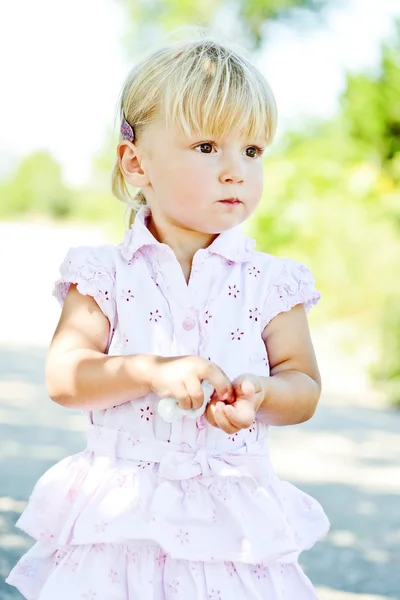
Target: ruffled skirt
132,520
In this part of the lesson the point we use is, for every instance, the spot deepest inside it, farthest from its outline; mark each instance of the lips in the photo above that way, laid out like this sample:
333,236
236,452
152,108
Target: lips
231,201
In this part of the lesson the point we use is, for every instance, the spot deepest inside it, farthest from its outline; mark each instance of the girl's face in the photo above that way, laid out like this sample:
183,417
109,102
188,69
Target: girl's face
200,183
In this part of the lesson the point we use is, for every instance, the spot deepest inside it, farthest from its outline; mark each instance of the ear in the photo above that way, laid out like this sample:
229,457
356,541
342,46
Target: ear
131,164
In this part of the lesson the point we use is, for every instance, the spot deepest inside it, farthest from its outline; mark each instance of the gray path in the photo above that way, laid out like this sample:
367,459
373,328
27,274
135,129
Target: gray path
347,456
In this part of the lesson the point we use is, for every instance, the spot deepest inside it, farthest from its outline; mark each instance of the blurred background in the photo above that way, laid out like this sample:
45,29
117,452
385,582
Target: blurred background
331,200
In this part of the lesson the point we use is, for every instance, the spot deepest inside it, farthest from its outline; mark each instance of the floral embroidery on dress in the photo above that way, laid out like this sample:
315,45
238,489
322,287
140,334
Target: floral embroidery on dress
105,294
147,413
254,314
189,489
57,558
133,438
237,335
100,527
125,343
220,489
98,432
122,480
233,291
161,558
207,317
71,565
260,570
183,536
47,537
230,568
215,595
254,271
155,316
127,295
173,586
131,556
195,569
144,465
113,575
285,569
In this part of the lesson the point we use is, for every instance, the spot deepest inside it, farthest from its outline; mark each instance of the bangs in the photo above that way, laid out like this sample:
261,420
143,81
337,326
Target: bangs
212,91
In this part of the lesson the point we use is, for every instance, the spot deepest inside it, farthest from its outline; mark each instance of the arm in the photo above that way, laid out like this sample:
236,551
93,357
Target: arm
78,373
292,392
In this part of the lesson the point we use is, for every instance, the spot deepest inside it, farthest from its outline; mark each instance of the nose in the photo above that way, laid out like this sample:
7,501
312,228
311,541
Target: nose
231,172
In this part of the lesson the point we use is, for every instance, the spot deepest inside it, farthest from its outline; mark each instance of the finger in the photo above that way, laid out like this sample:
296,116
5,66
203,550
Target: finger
240,417
223,422
195,392
216,398
183,398
221,382
244,387
209,414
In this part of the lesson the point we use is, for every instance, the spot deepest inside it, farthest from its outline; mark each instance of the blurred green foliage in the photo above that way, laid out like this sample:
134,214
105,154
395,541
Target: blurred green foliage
253,15
36,185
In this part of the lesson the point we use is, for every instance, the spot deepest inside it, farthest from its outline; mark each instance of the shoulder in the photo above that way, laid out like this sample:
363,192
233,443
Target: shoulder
104,253
282,283
91,268
266,266
279,269
101,259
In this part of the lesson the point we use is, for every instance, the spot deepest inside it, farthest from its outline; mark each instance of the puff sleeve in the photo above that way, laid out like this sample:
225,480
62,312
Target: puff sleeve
294,284
91,269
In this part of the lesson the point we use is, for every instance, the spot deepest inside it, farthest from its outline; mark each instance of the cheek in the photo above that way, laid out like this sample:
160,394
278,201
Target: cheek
189,177
256,180
261,182
260,172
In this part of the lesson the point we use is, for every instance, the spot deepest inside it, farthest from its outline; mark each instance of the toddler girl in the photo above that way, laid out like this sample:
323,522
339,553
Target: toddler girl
189,509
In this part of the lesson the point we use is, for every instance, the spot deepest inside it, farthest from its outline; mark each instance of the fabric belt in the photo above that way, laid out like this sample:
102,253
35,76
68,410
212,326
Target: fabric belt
181,461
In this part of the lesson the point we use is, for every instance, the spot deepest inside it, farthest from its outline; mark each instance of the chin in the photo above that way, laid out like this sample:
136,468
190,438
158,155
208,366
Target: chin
215,226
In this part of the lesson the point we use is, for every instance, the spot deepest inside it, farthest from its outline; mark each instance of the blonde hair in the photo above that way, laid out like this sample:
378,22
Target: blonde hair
196,86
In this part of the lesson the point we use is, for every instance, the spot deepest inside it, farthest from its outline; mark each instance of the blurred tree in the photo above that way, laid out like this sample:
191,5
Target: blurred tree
371,108
159,16
37,186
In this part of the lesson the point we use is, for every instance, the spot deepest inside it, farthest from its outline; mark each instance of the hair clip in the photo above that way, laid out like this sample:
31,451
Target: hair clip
127,131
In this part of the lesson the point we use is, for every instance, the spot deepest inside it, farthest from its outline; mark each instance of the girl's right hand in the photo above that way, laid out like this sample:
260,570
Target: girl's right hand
180,377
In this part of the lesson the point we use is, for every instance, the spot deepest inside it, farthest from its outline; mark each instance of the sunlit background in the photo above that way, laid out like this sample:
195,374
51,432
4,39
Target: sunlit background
331,200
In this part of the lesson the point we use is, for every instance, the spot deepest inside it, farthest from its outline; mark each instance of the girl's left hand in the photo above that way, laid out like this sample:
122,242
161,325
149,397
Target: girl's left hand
249,392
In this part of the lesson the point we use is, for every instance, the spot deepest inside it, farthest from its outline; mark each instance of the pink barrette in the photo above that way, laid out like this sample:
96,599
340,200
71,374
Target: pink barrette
127,131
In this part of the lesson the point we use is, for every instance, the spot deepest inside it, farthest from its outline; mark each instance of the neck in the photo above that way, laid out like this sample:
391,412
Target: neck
183,242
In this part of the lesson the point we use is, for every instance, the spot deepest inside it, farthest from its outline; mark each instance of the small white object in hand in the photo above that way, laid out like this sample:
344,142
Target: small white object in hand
169,409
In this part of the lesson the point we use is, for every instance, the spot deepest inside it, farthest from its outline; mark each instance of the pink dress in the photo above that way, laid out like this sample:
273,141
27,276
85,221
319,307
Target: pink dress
156,511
